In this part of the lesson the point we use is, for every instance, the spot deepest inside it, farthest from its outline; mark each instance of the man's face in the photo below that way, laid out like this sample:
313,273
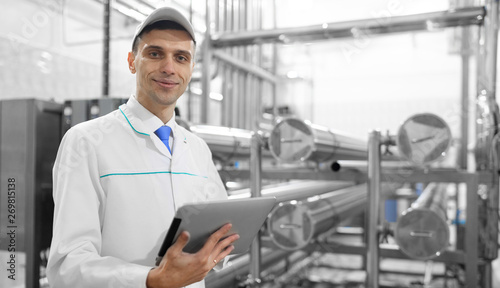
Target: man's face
163,63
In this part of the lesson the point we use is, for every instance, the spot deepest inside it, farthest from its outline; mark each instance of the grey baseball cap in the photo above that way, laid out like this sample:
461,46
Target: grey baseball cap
165,14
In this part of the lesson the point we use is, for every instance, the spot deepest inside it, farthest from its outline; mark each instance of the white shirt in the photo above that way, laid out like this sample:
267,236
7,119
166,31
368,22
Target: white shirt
116,188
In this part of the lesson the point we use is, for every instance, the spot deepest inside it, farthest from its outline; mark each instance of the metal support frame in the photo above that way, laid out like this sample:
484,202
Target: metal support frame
106,42
376,174
373,207
464,116
486,85
205,81
469,257
255,190
471,232
488,43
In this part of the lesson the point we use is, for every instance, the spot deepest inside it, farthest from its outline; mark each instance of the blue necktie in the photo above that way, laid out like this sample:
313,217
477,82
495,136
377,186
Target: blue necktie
164,134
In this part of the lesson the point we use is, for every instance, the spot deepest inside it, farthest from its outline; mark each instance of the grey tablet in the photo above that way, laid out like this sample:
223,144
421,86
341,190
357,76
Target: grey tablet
201,220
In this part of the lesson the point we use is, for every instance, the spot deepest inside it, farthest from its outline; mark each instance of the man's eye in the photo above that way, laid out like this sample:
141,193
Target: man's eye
154,54
182,58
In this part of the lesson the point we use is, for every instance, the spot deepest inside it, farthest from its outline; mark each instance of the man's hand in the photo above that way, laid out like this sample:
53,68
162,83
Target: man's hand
179,269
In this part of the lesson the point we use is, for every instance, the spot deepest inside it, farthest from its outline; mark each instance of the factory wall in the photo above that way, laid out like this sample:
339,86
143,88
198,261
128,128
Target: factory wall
57,45
53,50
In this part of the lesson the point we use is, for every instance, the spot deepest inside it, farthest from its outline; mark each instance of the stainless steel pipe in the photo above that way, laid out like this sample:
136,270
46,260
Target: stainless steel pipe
396,24
294,191
422,230
294,140
240,266
226,143
245,66
293,225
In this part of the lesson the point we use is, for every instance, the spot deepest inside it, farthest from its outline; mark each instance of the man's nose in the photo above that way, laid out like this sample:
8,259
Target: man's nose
167,66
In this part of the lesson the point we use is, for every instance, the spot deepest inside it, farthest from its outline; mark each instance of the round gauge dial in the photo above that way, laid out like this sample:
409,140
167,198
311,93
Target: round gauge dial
424,138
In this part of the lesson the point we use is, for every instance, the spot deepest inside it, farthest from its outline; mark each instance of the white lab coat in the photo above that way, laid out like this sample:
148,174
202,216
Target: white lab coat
113,183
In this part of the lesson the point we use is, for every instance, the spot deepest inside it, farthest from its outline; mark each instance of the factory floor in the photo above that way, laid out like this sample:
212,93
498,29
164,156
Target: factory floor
324,269
344,271
330,266
337,270
328,270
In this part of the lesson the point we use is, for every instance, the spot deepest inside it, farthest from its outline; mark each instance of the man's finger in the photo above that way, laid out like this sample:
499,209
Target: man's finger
217,235
214,239
223,253
226,243
181,242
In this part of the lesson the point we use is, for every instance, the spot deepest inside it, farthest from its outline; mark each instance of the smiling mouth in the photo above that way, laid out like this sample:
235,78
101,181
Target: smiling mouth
166,84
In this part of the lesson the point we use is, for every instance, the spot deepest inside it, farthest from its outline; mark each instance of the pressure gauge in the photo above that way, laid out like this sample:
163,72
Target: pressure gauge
423,139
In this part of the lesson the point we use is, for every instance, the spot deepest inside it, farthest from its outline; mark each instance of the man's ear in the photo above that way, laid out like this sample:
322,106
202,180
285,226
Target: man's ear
131,63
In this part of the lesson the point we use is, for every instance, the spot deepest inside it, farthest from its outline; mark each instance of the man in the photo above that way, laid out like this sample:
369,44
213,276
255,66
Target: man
117,184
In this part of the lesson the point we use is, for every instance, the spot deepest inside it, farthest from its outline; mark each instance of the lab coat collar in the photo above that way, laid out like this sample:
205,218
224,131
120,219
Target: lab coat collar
150,121
143,122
